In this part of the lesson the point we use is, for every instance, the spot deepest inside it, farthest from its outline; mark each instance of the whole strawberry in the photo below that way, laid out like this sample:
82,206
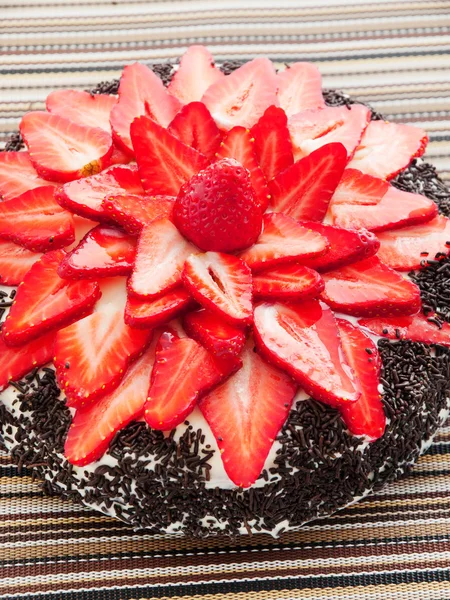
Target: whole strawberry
217,209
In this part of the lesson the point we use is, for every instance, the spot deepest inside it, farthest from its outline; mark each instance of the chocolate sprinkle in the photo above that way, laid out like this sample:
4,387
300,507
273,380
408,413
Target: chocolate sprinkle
159,480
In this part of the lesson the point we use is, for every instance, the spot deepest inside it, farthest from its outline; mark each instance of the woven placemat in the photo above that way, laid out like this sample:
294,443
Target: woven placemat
394,545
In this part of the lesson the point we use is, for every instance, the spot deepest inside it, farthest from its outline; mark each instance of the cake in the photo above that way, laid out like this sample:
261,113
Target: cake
224,295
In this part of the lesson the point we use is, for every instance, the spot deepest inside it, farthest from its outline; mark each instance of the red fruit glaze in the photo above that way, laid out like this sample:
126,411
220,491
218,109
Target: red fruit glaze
217,209
216,335
365,416
303,340
246,413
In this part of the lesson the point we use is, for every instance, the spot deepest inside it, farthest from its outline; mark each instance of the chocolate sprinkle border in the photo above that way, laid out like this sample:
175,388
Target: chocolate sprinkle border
319,467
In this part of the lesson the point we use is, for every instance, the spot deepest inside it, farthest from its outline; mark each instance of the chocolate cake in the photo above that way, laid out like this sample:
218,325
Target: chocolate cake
173,479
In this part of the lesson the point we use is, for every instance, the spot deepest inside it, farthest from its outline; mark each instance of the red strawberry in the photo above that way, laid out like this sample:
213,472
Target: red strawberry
242,97
365,416
15,262
358,188
17,362
195,74
303,190
221,283
94,426
217,208
303,340
85,196
300,88
17,175
370,288
387,148
396,209
273,142
92,355
164,162
216,335
61,150
195,127
183,371
283,240
245,415
141,92
91,110
36,221
418,328
238,144
133,212
119,156
345,247
312,129
150,313
160,258
44,301
406,249
290,282
103,252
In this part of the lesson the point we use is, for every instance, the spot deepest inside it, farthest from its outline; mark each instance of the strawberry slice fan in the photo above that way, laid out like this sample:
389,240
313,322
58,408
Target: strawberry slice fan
220,245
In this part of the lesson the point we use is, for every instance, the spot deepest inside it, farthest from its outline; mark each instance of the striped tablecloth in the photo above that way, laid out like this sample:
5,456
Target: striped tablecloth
392,54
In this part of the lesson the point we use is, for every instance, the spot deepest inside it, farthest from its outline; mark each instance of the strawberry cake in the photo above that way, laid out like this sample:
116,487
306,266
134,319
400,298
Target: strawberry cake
224,297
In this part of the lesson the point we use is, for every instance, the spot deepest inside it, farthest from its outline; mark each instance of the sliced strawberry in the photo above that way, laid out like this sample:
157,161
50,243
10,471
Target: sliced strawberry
150,313
91,110
85,196
15,262
15,363
119,156
103,252
133,212
36,221
196,128
17,175
242,97
216,335
345,247
300,88
164,162
370,288
365,416
245,415
160,258
94,426
312,129
238,144
92,355
283,240
303,340
303,191
195,74
61,150
407,248
290,282
387,148
141,92
273,145
221,283
212,207
396,209
183,371
417,328
358,188
44,301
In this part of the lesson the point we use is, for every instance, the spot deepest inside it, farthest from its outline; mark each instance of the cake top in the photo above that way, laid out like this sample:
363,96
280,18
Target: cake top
221,243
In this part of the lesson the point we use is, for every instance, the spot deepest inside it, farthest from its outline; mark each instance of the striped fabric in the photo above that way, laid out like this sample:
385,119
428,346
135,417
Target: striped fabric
392,54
